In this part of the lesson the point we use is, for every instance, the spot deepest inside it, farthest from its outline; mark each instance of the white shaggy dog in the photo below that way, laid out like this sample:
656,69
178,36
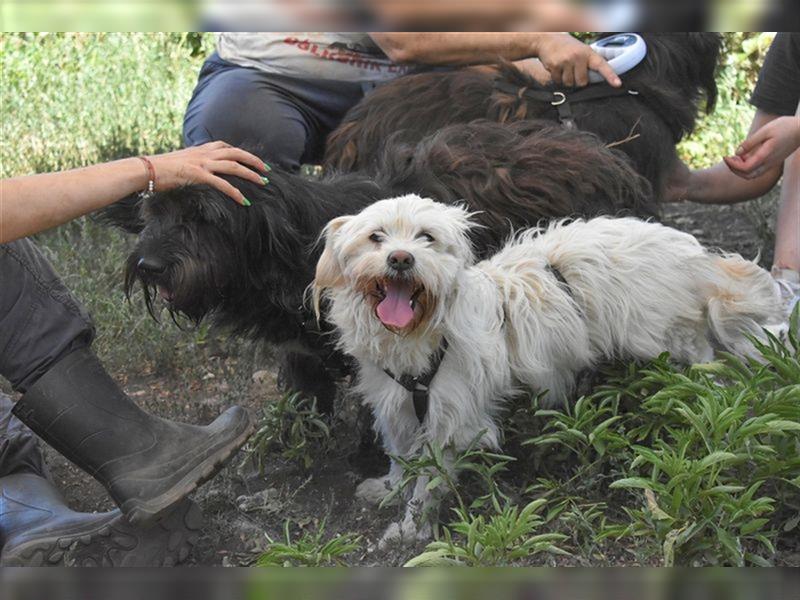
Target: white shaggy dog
409,302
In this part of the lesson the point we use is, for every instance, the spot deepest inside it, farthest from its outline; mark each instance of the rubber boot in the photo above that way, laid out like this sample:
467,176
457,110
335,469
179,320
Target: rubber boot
147,464
38,529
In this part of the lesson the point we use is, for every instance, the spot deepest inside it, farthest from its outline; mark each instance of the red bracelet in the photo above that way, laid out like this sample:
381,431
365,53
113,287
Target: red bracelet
151,175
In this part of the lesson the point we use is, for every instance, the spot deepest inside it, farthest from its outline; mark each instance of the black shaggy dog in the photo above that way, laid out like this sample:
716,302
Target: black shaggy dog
656,109
247,269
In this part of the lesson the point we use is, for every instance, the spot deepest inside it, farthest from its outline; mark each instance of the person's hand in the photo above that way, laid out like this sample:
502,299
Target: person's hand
569,61
534,68
204,164
766,149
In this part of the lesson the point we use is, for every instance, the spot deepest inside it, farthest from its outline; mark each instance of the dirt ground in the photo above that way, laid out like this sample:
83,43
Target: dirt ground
243,508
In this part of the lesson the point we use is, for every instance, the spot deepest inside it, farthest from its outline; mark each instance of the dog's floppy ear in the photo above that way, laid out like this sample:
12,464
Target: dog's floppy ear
124,214
329,274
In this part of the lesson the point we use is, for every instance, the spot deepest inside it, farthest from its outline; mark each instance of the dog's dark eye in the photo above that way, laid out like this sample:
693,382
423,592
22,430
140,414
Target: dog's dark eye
426,236
376,237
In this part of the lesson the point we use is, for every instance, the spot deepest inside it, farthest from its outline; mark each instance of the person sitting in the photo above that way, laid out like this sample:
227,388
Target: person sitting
284,93
148,465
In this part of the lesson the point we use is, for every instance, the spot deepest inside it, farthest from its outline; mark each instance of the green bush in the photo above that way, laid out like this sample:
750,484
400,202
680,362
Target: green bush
719,133
711,453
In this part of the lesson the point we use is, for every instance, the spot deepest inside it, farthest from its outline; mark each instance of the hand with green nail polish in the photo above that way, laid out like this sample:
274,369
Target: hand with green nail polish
205,164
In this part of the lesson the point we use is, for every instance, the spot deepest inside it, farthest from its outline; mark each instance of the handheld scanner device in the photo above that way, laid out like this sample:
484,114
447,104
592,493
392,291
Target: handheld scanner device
623,51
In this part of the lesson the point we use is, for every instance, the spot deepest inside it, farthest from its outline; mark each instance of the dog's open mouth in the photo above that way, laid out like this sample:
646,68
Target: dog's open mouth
397,301
166,295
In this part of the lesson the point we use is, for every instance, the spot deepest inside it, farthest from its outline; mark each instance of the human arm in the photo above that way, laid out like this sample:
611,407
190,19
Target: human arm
35,203
567,59
720,185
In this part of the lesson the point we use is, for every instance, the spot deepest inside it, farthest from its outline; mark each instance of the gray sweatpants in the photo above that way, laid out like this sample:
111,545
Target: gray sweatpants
40,320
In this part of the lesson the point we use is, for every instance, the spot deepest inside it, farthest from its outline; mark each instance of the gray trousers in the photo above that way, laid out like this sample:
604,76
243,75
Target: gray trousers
40,323
284,120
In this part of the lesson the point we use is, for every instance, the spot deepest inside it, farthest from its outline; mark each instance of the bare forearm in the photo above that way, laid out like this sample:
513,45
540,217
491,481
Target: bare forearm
455,48
39,202
718,185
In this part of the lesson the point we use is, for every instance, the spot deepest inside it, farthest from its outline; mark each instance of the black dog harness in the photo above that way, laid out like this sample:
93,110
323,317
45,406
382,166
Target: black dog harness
420,386
563,99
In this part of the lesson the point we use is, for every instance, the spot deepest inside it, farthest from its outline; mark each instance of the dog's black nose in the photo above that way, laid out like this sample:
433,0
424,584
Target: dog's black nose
399,260
151,265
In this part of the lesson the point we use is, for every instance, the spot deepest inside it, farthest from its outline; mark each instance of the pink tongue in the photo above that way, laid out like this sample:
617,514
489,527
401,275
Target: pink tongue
395,309
165,293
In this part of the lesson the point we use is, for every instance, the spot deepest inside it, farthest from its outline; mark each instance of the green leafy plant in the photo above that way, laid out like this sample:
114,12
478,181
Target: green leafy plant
585,428
311,549
728,445
585,523
442,467
501,539
291,426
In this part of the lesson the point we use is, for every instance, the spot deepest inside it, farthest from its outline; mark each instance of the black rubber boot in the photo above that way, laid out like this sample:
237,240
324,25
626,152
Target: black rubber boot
38,529
147,464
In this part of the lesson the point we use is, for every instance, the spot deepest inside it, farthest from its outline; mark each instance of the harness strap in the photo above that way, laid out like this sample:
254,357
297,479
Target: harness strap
420,386
561,99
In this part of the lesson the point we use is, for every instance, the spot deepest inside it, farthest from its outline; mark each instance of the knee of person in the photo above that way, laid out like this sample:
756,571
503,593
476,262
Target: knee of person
270,140
274,134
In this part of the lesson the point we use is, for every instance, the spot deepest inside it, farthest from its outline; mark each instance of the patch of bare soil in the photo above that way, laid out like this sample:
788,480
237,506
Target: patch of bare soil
244,509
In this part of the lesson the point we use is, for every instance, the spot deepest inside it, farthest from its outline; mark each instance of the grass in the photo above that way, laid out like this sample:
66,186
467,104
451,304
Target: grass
79,99
658,465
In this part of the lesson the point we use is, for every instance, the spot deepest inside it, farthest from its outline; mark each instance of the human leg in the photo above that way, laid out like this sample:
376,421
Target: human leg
147,464
283,119
38,528
786,265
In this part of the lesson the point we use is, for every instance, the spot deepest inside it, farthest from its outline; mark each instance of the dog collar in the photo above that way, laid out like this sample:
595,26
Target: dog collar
419,386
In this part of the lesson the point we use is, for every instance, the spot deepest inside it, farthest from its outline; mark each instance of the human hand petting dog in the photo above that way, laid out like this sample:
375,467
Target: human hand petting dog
766,149
35,203
205,164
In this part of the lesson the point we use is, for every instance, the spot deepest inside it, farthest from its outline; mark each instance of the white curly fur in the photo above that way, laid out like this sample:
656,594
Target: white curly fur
635,289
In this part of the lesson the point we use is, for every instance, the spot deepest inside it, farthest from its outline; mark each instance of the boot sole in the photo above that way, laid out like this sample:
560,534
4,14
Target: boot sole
116,543
142,512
